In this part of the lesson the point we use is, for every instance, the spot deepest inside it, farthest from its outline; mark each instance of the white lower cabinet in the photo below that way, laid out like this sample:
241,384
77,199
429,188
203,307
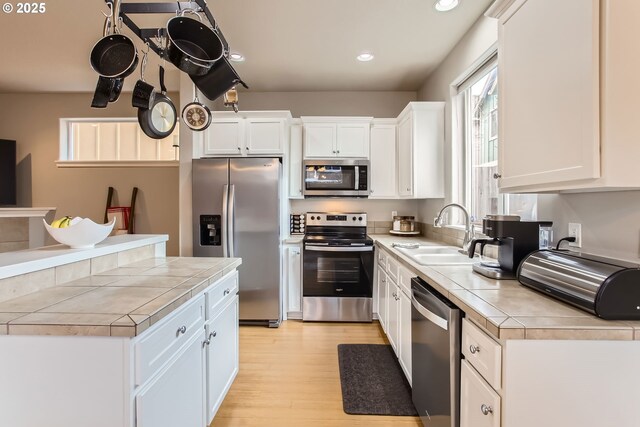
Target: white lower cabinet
221,349
480,404
382,298
175,397
393,325
404,339
293,280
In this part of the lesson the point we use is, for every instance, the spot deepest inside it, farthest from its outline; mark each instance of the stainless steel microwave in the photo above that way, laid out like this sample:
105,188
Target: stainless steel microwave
336,178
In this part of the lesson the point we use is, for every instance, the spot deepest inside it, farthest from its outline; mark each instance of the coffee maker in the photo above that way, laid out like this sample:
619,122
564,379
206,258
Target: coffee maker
515,240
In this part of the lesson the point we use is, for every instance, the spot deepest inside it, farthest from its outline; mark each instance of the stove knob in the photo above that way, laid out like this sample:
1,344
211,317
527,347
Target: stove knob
354,218
312,218
360,218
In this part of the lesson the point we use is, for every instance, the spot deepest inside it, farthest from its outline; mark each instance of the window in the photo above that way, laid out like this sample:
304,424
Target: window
476,110
114,142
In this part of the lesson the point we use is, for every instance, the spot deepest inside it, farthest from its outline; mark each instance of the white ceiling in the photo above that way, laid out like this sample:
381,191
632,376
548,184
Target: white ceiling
290,45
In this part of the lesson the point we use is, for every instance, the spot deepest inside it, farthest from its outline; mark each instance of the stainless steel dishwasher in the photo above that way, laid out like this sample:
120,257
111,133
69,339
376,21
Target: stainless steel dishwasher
435,352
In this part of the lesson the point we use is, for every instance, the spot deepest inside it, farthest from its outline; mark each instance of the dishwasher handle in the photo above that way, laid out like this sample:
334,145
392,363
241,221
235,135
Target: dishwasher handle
428,314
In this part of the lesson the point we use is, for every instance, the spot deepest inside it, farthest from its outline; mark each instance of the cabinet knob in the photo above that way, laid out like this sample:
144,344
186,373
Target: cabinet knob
334,151
474,349
338,151
408,189
226,292
497,176
246,148
212,335
181,330
206,342
486,410
239,149
300,191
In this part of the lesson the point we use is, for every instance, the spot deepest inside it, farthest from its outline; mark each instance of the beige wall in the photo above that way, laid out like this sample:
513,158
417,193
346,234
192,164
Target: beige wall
610,221
33,121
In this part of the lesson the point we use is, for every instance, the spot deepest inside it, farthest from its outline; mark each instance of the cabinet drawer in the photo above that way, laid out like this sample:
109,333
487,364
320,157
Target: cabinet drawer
382,259
220,292
392,269
480,405
158,345
482,352
404,280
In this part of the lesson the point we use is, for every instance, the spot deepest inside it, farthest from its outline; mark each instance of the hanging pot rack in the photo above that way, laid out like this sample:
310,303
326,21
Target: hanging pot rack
151,36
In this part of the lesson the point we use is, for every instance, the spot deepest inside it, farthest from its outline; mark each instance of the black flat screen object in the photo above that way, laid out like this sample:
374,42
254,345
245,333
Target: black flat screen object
8,193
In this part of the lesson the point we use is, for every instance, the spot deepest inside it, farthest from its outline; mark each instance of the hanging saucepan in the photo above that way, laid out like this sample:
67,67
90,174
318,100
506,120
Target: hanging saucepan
218,80
192,46
103,92
143,93
196,115
116,89
114,55
160,119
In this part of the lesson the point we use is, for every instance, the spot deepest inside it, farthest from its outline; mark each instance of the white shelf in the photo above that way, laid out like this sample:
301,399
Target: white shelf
24,212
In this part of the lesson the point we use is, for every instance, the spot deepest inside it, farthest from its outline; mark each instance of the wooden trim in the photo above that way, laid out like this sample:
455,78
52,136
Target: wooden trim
498,8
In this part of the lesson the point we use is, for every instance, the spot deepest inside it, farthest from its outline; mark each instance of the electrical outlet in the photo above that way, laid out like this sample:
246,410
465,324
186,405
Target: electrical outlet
575,230
393,213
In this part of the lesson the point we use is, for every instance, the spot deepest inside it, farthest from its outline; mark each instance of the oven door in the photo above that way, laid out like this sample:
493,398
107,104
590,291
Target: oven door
332,271
336,178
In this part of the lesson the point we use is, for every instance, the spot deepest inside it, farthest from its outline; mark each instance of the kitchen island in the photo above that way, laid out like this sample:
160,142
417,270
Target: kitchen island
527,359
118,335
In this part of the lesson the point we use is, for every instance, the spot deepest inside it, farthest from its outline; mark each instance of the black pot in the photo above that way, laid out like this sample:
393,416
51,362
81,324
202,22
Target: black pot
143,95
116,89
192,46
103,92
218,80
114,56
159,120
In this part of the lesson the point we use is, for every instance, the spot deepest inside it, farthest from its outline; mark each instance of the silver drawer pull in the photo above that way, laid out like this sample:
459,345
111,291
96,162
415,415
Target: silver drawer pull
474,349
181,330
486,410
226,292
206,342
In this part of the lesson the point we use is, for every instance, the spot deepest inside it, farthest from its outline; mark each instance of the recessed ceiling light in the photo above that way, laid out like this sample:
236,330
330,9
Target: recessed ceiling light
446,5
236,57
365,57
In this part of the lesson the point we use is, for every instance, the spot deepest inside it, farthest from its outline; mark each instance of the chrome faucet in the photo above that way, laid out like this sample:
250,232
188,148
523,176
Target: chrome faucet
468,226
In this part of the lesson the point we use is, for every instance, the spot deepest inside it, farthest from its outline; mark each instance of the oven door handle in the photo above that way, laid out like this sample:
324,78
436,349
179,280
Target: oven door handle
430,315
338,248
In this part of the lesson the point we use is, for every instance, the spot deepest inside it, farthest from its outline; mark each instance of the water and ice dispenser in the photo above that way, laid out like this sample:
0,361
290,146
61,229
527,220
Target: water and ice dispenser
210,230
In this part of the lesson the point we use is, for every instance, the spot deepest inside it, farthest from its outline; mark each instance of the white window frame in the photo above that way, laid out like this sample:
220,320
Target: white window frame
66,149
460,136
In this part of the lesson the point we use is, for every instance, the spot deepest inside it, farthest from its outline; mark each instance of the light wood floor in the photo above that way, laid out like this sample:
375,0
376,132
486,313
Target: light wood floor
289,378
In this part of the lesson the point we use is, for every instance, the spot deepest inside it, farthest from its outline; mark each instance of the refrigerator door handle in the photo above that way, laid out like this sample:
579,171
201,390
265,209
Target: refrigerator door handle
231,218
225,208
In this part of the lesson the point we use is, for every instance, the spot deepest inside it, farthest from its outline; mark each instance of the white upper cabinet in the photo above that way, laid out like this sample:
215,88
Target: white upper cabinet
326,137
295,162
420,151
246,134
383,159
567,94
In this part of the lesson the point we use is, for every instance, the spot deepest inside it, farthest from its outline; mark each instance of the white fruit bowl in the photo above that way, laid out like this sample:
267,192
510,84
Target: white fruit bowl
82,235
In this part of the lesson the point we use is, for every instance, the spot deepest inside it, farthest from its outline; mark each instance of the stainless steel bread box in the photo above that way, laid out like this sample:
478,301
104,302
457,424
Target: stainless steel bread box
606,287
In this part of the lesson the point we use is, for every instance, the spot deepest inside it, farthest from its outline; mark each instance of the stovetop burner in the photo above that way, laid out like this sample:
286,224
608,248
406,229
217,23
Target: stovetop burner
337,229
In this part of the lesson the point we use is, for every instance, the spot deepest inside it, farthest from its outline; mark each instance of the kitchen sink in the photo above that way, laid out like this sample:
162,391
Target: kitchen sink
438,255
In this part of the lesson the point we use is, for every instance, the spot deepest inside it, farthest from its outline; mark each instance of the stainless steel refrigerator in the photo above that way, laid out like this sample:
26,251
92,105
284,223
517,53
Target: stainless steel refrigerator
236,213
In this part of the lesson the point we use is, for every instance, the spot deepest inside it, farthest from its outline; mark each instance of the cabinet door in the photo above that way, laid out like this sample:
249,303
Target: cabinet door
295,163
479,403
383,162
353,140
319,140
405,157
176,396
549,92
382,298
392,314
222,355
224,137
294,279
264,136
404,340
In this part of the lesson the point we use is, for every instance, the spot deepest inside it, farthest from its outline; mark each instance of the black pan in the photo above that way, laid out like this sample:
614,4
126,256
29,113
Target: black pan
218,80
160,119
192,46
103,92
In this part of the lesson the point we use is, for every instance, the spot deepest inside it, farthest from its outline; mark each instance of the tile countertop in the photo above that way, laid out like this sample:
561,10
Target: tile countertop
505,308
121,302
